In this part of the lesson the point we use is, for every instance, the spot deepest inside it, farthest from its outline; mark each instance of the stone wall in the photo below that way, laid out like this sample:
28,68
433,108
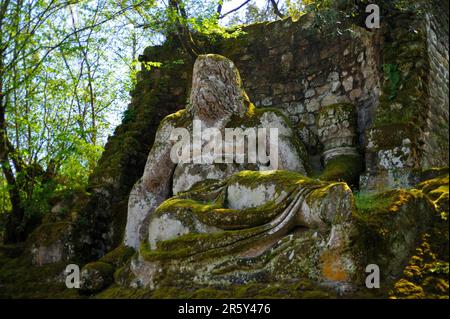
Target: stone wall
410,127
299,69
436,144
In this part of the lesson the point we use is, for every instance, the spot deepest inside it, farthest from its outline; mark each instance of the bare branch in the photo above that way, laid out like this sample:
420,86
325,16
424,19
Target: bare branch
275,9
234,10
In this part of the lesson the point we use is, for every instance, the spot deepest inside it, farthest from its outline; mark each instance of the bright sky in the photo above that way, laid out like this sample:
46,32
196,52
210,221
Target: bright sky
232,4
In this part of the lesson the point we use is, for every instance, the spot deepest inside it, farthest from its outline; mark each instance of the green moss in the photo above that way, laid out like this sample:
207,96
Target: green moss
388,136
425,276
119,256
391,223
318,193
393,75
47,234
346,168
102,267
19,279
200,245
283,180
181,118
211,209
302,289
241,228
368,203
436,189
96,276
118,292
431,185
403,99
209,293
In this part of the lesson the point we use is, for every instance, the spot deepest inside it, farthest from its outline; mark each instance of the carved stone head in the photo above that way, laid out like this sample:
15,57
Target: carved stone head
217,90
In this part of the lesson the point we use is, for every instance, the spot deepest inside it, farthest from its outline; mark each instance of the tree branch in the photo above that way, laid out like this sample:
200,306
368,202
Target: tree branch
234,10
275,9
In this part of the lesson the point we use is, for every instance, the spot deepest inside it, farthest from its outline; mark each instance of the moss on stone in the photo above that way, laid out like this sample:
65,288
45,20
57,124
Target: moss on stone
215,213
390,225
425,276
346,168
388,136
436,190
181,118
47,234
21,280
95,277
301,289
201,245
119,256
101,267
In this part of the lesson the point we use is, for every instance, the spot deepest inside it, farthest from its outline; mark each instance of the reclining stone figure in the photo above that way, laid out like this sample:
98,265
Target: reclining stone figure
211,215
217,100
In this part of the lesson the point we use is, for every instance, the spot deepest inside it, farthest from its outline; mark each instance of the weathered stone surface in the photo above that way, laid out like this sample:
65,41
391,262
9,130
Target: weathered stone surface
395,81
51,243
95,277
211,235
391,224
337,130
125,156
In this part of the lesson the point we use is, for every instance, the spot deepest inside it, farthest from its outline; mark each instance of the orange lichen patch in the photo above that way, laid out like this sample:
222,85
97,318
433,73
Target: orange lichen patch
332,267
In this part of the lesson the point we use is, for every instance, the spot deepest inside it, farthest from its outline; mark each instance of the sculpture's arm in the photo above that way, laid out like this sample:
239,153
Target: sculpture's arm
153,187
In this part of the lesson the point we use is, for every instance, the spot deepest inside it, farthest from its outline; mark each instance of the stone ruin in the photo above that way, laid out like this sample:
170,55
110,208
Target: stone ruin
229,214
364,111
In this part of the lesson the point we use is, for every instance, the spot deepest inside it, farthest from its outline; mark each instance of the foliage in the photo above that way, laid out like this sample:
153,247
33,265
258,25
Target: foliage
61,88
392,73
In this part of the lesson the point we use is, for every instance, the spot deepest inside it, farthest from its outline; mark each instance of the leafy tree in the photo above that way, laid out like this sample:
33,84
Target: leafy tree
57,89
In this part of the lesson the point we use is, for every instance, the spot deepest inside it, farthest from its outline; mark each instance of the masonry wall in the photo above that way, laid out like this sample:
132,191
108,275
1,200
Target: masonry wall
299,68
436,146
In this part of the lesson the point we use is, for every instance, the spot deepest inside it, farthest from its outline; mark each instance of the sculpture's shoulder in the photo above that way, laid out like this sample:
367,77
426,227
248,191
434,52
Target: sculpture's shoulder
181,118
264,118
274,118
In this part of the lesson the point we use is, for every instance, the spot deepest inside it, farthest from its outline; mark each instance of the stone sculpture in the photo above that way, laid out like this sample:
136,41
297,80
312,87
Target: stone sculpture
233,211
218,101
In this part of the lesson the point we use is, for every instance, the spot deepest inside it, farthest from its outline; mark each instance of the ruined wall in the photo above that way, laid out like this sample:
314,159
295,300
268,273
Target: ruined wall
436,144
299,69
410,127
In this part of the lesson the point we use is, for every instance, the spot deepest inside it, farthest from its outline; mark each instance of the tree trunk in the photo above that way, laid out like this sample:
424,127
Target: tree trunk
182,31
13,229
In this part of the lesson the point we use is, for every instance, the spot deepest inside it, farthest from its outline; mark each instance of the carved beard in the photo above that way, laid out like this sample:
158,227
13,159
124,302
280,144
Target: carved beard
216,90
